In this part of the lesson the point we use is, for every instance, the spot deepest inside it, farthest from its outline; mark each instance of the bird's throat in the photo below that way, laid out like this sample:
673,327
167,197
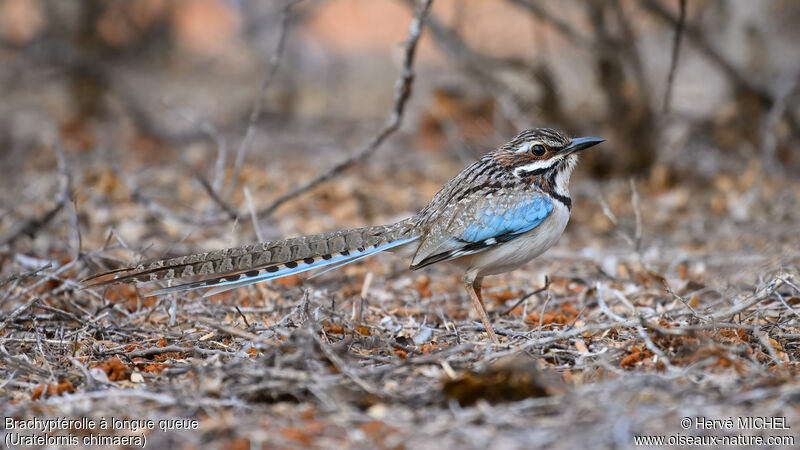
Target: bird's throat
558,183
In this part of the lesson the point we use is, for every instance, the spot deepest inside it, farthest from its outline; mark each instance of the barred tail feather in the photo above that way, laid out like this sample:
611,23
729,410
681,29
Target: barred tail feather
230,265
236,280
345,262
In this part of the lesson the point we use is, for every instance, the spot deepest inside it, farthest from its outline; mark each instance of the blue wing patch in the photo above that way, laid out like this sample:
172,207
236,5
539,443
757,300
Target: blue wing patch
515,220
490,227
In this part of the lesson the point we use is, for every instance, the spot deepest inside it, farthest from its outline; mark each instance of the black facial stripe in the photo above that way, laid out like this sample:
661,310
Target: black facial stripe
563,199
535,172
551,179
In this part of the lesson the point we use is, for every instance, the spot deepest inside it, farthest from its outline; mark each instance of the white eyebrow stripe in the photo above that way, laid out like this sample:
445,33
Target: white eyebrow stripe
522,148
535,166
525,146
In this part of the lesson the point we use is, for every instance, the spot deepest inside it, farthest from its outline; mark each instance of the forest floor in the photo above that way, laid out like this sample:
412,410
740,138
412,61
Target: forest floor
662,301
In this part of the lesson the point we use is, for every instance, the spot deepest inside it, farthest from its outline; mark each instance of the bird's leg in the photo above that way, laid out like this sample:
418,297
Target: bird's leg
473,288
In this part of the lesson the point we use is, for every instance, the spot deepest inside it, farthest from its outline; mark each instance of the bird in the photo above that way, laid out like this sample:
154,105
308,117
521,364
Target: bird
497,214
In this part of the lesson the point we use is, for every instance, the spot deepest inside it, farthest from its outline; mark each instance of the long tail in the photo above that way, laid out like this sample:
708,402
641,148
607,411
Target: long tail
231,268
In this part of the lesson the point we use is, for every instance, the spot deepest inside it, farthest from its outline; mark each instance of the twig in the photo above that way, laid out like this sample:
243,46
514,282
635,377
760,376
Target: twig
475,64
358,305
767,129
230,331
73,228
342,367
575,332
246,323
560,25
253,214
112,395
541,316
10,318
628,45
761,295
702,44
478,326
651,345
88,379
616,59
20,362
24,275
402,91
791,284
30,226
637,213
528,295
46,277
301,310
255,114
614,221
762,339
682,300
211,131
624,300
786,305
607,210
152,351
153,206
62,313
232,213
601,302
676,46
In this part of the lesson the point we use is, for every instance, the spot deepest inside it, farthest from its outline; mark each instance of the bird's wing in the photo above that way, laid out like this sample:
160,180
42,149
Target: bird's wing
476,225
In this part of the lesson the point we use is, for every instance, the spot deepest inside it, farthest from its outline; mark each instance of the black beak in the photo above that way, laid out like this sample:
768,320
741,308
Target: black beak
579,144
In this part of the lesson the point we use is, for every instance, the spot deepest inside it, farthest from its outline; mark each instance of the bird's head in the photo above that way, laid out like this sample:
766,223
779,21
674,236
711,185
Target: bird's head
542,151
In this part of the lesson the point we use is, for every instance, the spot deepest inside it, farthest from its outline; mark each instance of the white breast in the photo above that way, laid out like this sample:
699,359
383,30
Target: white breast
515,253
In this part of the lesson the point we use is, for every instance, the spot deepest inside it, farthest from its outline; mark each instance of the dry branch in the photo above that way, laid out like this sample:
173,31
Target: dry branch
14,314
702,44
763,293
560,25
402,91
676,46
484,70
255,114
31,226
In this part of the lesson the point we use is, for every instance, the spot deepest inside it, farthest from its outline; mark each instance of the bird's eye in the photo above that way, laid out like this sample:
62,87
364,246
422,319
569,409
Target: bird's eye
538,150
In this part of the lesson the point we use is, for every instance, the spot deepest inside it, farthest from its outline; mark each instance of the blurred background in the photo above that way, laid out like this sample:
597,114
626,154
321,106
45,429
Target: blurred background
138,129
149,100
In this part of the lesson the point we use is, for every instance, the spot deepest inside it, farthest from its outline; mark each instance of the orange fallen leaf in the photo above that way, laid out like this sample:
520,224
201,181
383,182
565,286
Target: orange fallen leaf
115,369
423,286
289,281
52,389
